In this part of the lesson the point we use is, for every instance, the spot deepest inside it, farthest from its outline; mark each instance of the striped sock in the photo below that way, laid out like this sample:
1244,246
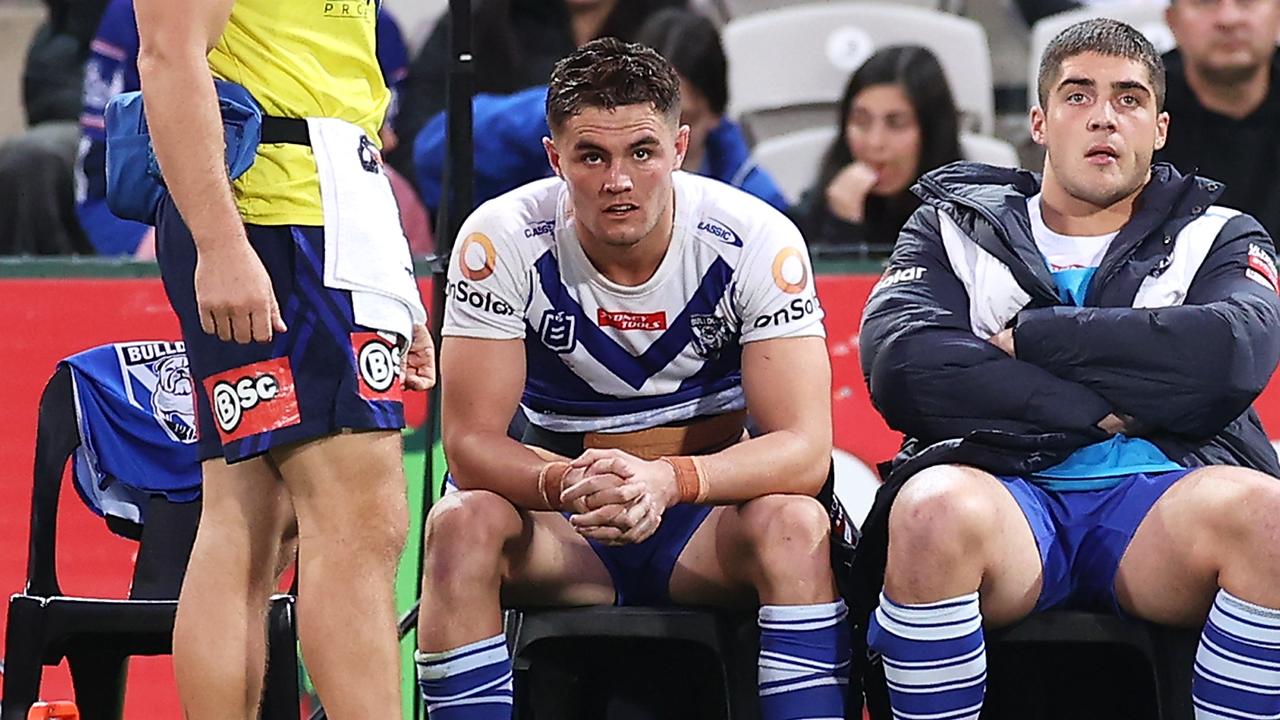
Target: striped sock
804,661
472,682
1237,671
935,661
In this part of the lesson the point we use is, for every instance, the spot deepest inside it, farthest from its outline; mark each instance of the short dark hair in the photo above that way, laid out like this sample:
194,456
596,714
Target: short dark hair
607,73
1104,37
691,43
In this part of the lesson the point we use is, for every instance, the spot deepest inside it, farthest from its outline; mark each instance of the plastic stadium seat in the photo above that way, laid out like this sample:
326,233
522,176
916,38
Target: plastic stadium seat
18,24
1147,17
792,159
663,663
989,150
1164,655
788,67
742,8
96,635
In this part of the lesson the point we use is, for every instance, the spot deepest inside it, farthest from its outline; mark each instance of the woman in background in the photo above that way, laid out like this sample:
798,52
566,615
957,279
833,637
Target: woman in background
897,121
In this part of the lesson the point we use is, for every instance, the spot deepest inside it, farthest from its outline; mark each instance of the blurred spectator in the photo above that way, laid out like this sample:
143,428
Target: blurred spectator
55,60
897,122
1223,100
509,128
37,214
113,68
515,43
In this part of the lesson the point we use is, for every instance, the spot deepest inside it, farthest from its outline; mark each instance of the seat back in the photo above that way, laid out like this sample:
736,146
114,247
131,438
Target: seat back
989,150
792,160
1147,17
56,439
797,60
743,8
124,412
18,24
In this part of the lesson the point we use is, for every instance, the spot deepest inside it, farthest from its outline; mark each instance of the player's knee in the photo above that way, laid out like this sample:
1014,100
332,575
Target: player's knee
940,509
786,529
1240,506
474,523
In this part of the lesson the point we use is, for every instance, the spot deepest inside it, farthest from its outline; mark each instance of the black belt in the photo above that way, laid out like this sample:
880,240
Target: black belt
292,131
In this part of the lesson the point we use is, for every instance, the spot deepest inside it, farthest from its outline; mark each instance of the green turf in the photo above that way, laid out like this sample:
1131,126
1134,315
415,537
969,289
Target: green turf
409,575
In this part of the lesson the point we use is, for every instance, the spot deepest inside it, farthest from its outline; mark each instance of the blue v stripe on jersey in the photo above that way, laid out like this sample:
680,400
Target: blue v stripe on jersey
635,371
551,387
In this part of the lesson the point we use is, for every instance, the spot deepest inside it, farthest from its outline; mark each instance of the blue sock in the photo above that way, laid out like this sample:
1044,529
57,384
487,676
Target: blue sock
935,661
472,682
804,661
1237,672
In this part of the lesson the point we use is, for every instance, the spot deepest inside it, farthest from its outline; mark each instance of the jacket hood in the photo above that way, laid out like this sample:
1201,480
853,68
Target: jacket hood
993,187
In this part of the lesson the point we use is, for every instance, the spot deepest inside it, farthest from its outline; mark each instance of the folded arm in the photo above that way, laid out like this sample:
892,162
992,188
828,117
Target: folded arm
932,378
1189,369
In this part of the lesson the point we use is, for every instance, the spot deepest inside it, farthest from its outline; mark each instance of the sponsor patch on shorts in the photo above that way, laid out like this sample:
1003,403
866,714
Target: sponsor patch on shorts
378,372
253,399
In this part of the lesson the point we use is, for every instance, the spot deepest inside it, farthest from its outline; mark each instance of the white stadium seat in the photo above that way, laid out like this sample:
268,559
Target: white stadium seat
18,23
742,8
788,67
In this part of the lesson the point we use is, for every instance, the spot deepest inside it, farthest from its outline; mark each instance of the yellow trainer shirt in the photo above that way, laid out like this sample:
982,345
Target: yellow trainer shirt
300,58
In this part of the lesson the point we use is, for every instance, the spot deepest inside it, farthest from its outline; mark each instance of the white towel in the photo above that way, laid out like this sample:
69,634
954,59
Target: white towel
365,251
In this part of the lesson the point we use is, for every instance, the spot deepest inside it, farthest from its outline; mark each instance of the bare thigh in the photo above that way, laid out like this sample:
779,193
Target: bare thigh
712,569
1215,527
550,564
348,483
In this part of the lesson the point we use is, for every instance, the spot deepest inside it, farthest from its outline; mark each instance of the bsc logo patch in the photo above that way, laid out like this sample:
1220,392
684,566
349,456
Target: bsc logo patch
253,399
378,372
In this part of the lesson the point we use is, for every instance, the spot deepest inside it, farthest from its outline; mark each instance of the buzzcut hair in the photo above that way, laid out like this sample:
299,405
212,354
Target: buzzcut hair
607,73
1104,37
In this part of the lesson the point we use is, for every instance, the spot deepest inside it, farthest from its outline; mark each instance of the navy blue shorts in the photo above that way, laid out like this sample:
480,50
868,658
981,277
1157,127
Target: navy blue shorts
324,375
1082,535
641,572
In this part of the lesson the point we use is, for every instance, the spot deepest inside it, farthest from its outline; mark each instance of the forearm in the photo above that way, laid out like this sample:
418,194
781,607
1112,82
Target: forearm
941,384
780,462
186,132
493,461
1189,369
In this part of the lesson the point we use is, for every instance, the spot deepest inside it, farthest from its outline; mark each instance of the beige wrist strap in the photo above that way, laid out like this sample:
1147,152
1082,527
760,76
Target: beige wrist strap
551,483
691,483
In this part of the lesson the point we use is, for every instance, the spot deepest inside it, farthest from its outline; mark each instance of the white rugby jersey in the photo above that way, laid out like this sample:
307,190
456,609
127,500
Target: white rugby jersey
604,356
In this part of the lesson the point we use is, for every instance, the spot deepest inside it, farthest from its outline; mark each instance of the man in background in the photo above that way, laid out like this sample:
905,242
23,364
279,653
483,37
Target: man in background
1223,105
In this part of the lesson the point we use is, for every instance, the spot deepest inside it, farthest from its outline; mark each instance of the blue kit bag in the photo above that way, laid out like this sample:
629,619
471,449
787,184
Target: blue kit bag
135,187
